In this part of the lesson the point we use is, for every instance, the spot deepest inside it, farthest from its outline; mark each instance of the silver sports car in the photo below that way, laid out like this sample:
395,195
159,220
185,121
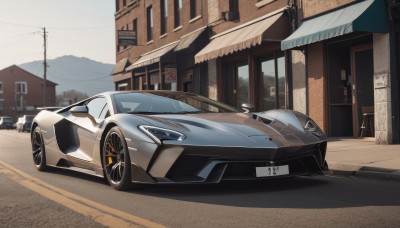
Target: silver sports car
159,137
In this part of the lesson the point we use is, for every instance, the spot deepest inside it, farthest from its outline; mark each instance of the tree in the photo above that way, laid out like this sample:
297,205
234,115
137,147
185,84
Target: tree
70,97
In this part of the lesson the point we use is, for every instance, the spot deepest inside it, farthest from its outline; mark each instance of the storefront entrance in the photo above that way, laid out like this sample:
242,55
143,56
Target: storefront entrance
351,89
362,68
237,83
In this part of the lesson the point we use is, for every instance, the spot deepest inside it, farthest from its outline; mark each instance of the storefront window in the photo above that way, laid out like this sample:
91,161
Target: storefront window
281,82
242,88
269,83
273,83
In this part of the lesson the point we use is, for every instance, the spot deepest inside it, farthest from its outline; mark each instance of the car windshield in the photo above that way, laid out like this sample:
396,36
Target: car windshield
28,118
167,103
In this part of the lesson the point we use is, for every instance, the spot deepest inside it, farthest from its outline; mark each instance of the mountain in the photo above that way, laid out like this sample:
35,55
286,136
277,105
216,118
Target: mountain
75,73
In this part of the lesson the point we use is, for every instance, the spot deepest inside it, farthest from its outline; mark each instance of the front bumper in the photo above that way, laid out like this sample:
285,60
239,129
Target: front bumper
206,164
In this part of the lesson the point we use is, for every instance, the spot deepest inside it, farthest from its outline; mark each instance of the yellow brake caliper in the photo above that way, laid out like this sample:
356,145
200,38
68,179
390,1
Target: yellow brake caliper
109,156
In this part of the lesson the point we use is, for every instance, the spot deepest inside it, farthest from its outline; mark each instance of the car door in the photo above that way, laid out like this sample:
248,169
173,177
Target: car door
86,129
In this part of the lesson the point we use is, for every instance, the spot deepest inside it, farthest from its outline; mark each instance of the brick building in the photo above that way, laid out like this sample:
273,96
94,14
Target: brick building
333,60
22,92
227,50
168,34
344,57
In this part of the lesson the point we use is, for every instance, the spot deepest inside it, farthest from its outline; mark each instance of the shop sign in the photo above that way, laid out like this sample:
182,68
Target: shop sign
188,76
170,74
381,80
154,78
126,37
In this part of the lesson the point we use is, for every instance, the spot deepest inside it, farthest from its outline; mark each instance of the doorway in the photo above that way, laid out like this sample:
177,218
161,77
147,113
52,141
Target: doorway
237,83
362,67
350,86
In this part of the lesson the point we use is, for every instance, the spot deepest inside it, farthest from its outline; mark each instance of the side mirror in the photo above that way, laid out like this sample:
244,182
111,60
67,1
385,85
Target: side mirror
247,107
80,111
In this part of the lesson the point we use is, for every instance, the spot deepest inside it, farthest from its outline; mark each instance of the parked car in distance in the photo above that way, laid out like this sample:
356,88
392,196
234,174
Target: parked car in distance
24,123
6,122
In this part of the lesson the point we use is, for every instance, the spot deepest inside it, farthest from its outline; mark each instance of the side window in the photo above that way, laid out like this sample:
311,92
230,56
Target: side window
105,113
96,106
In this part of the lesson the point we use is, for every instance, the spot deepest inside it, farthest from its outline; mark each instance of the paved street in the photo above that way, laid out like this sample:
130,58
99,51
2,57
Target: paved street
64,198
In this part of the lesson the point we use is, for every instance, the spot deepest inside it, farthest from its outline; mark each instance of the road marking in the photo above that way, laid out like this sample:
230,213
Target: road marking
100,213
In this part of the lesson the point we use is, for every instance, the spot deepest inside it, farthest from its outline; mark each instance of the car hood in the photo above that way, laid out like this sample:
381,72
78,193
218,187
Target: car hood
233,129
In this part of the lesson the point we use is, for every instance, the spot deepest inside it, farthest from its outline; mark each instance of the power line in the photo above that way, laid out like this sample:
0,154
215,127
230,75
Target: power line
73,81
76,68
44,66
82,28
19,35
82,43
17,42
59,28
25,54
20,25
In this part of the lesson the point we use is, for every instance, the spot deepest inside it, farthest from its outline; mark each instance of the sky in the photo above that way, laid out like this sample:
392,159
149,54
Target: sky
83,28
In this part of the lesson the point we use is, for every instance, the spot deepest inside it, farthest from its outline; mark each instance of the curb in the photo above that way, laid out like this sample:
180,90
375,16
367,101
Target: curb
367,172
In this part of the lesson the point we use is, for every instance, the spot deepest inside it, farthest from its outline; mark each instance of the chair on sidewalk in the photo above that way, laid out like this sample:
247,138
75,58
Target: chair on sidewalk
367,126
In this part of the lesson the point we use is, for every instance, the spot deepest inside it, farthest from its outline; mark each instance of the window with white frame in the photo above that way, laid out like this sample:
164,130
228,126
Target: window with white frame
150,23
1,87
178,13
21,87
195,8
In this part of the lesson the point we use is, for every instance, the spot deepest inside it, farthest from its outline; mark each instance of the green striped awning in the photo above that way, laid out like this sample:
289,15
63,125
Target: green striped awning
363,16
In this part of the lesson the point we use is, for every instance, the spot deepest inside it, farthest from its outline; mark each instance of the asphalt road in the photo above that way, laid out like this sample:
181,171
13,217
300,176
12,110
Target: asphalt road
63,199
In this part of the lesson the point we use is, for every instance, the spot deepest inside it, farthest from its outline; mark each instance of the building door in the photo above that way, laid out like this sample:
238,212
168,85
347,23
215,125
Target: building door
362,70
236,89
242,84
272,82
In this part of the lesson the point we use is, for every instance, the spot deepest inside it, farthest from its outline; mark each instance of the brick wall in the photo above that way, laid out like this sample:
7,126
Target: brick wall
34,96
248,10
159,40
310,8
317,92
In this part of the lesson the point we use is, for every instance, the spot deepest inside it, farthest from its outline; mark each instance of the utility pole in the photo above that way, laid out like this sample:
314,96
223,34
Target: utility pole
44,67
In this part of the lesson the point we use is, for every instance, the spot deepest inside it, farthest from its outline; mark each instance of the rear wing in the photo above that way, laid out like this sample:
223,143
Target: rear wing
49,108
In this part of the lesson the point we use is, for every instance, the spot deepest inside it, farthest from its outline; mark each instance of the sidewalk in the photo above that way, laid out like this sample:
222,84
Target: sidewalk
363,158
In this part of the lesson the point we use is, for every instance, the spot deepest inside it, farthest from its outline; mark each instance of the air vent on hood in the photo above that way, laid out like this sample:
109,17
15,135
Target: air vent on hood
263,120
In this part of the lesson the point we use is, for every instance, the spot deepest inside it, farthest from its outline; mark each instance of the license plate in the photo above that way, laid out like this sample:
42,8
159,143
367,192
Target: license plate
269,171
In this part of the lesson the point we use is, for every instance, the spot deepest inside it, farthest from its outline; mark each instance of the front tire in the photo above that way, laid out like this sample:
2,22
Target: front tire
116,161
38,150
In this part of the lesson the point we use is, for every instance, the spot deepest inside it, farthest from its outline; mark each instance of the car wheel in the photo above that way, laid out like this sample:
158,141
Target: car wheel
116,161
38,150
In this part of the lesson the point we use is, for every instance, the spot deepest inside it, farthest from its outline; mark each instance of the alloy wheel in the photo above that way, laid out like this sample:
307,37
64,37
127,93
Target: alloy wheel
114,158
38,153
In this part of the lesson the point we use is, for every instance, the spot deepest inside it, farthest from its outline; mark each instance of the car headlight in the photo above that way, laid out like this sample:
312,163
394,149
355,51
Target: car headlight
313,128
161,134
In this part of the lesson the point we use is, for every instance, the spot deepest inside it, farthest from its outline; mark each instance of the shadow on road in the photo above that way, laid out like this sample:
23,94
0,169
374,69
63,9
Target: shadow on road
295,192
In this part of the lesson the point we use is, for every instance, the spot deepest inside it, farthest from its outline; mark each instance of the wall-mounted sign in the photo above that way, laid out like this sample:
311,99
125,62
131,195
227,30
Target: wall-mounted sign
170,74
154,78
126,37
381,80
188,76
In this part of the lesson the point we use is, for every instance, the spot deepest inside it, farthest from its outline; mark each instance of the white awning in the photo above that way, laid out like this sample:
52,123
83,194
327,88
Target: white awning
153,56
120,66
272,27
188,39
